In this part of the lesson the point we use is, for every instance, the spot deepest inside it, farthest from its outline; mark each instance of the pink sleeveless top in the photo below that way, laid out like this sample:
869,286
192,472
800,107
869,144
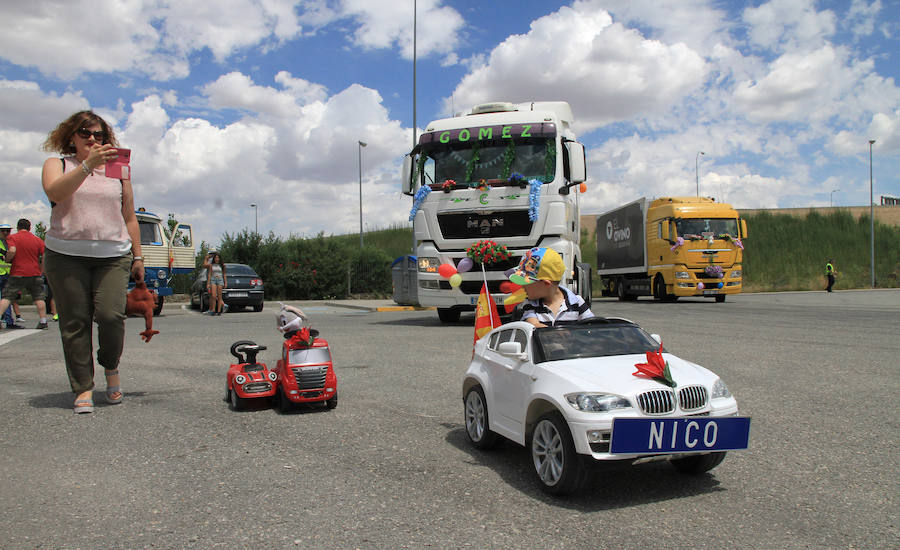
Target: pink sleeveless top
89,222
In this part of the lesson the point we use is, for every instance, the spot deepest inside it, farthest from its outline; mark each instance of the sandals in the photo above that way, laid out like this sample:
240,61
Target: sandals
83,406
113,391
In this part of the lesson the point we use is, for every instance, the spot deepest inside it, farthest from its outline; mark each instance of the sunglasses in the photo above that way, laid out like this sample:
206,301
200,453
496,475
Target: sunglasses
85,133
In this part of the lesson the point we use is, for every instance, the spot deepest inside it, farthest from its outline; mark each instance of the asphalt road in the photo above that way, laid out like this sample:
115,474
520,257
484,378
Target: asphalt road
390,467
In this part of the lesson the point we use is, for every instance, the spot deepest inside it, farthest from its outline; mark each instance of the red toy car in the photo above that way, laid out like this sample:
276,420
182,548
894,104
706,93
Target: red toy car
304,372
248,379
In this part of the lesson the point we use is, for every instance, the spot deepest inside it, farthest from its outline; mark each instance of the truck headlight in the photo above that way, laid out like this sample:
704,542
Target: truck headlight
720,390
429,265
682,275
736,274
597,402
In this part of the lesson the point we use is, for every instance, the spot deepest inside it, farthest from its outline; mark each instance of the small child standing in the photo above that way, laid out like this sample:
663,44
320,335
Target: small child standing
548,303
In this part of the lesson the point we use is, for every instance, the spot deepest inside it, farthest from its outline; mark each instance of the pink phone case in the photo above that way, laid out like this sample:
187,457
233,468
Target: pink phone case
118,168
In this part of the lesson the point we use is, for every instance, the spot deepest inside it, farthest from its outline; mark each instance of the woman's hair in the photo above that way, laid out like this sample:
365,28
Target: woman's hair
60,139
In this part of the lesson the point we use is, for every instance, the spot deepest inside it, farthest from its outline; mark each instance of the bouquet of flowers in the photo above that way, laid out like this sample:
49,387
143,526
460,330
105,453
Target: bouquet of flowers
714,271
487,252
448,185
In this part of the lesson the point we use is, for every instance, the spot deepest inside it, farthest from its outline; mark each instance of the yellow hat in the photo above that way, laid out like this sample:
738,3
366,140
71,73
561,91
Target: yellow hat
539,264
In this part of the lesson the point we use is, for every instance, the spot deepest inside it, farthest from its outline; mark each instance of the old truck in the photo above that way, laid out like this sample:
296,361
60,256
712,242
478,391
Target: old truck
503,172
165,252
671,247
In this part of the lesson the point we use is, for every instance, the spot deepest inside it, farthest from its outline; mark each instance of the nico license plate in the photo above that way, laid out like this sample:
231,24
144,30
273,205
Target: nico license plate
679,435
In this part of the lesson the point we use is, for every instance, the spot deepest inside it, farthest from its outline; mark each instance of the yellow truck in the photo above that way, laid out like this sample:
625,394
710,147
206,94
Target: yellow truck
671,247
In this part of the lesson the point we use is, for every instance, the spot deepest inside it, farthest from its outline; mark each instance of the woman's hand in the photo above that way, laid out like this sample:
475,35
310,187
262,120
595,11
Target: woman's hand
137,270
100,154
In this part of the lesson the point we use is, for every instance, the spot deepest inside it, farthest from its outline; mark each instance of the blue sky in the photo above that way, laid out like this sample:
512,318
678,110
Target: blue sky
235,102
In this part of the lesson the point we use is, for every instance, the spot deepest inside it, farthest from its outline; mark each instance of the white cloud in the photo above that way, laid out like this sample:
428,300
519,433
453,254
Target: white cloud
607,72
785,25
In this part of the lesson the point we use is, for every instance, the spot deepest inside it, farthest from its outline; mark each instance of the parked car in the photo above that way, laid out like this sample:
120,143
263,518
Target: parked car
245,288
579,395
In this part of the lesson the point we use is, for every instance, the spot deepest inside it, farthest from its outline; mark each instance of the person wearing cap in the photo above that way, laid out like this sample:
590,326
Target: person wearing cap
548,303
5,230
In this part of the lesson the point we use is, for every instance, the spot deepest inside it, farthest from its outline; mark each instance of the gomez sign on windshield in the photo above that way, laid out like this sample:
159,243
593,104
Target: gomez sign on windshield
487,133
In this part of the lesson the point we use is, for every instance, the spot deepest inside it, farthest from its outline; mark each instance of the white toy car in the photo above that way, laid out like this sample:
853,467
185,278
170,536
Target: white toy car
590,392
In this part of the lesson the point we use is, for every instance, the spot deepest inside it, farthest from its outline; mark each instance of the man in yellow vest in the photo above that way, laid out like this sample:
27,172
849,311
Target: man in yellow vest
5,229
829,273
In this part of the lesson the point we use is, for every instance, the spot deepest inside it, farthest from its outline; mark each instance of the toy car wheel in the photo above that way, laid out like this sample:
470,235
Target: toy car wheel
237,402
227,394
476,415
282,403
331,403
553,453
698,464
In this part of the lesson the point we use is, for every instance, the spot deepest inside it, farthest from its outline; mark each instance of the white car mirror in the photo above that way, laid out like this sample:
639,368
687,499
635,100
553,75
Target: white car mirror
511,349
657,337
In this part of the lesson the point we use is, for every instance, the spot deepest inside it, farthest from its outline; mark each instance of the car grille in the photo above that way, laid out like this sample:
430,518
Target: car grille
257,387
309,378
692,397
657,401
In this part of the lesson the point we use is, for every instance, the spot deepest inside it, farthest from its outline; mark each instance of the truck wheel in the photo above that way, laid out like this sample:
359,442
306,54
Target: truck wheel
159,305
720,298
620,292
448,314
282,403
659,290
584,282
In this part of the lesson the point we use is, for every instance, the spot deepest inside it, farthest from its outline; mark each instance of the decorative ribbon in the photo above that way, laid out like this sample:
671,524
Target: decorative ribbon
534,199
418,199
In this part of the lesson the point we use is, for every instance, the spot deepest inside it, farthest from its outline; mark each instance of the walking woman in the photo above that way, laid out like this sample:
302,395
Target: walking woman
92,247
216,280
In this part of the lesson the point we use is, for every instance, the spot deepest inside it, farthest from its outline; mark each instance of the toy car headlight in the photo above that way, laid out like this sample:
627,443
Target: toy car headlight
597,402
720,390
239,379
273,376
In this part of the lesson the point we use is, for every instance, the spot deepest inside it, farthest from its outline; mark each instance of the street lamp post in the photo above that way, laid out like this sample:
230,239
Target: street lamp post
697,170
359,149
872,213
831,201
255,219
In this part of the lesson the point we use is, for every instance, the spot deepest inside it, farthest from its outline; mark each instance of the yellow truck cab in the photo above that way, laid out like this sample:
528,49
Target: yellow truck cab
165,252
671,247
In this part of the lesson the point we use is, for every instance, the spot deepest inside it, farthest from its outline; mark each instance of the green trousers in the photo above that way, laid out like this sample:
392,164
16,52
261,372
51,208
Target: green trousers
89,290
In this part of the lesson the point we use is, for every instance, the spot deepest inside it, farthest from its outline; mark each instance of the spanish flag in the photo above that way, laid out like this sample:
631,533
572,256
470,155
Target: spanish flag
486,316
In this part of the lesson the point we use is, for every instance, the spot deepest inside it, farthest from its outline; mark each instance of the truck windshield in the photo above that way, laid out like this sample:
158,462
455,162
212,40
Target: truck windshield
150,233
697,228
495,160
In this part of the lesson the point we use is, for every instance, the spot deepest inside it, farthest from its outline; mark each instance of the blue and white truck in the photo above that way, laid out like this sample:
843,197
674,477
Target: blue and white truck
166,253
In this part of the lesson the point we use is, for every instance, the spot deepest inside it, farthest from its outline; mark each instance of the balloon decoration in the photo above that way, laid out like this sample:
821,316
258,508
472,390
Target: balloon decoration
455,280
700,286
465,265
446,270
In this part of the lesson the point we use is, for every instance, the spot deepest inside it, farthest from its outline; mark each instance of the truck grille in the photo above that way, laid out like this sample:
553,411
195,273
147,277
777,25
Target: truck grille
513,223
309,378
692,398
657,401
257,387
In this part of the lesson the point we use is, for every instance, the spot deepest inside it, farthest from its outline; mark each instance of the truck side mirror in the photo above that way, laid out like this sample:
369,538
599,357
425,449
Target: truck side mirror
743,229
406,184
577,169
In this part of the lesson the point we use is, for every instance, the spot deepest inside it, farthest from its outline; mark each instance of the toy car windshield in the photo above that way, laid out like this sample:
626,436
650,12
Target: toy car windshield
590,340
311,356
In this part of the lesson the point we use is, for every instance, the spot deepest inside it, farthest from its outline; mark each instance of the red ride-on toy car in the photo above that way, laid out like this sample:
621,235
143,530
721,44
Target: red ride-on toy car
248,379
304,372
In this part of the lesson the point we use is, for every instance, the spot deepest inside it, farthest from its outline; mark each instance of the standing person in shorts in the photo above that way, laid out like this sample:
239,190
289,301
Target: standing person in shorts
6,315
25,253
216,280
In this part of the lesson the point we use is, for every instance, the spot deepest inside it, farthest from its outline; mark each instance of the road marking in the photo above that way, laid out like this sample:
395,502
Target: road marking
10,334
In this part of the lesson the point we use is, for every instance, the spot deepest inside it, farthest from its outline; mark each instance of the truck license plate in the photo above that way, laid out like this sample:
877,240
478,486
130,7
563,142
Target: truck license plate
679,435
710,292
